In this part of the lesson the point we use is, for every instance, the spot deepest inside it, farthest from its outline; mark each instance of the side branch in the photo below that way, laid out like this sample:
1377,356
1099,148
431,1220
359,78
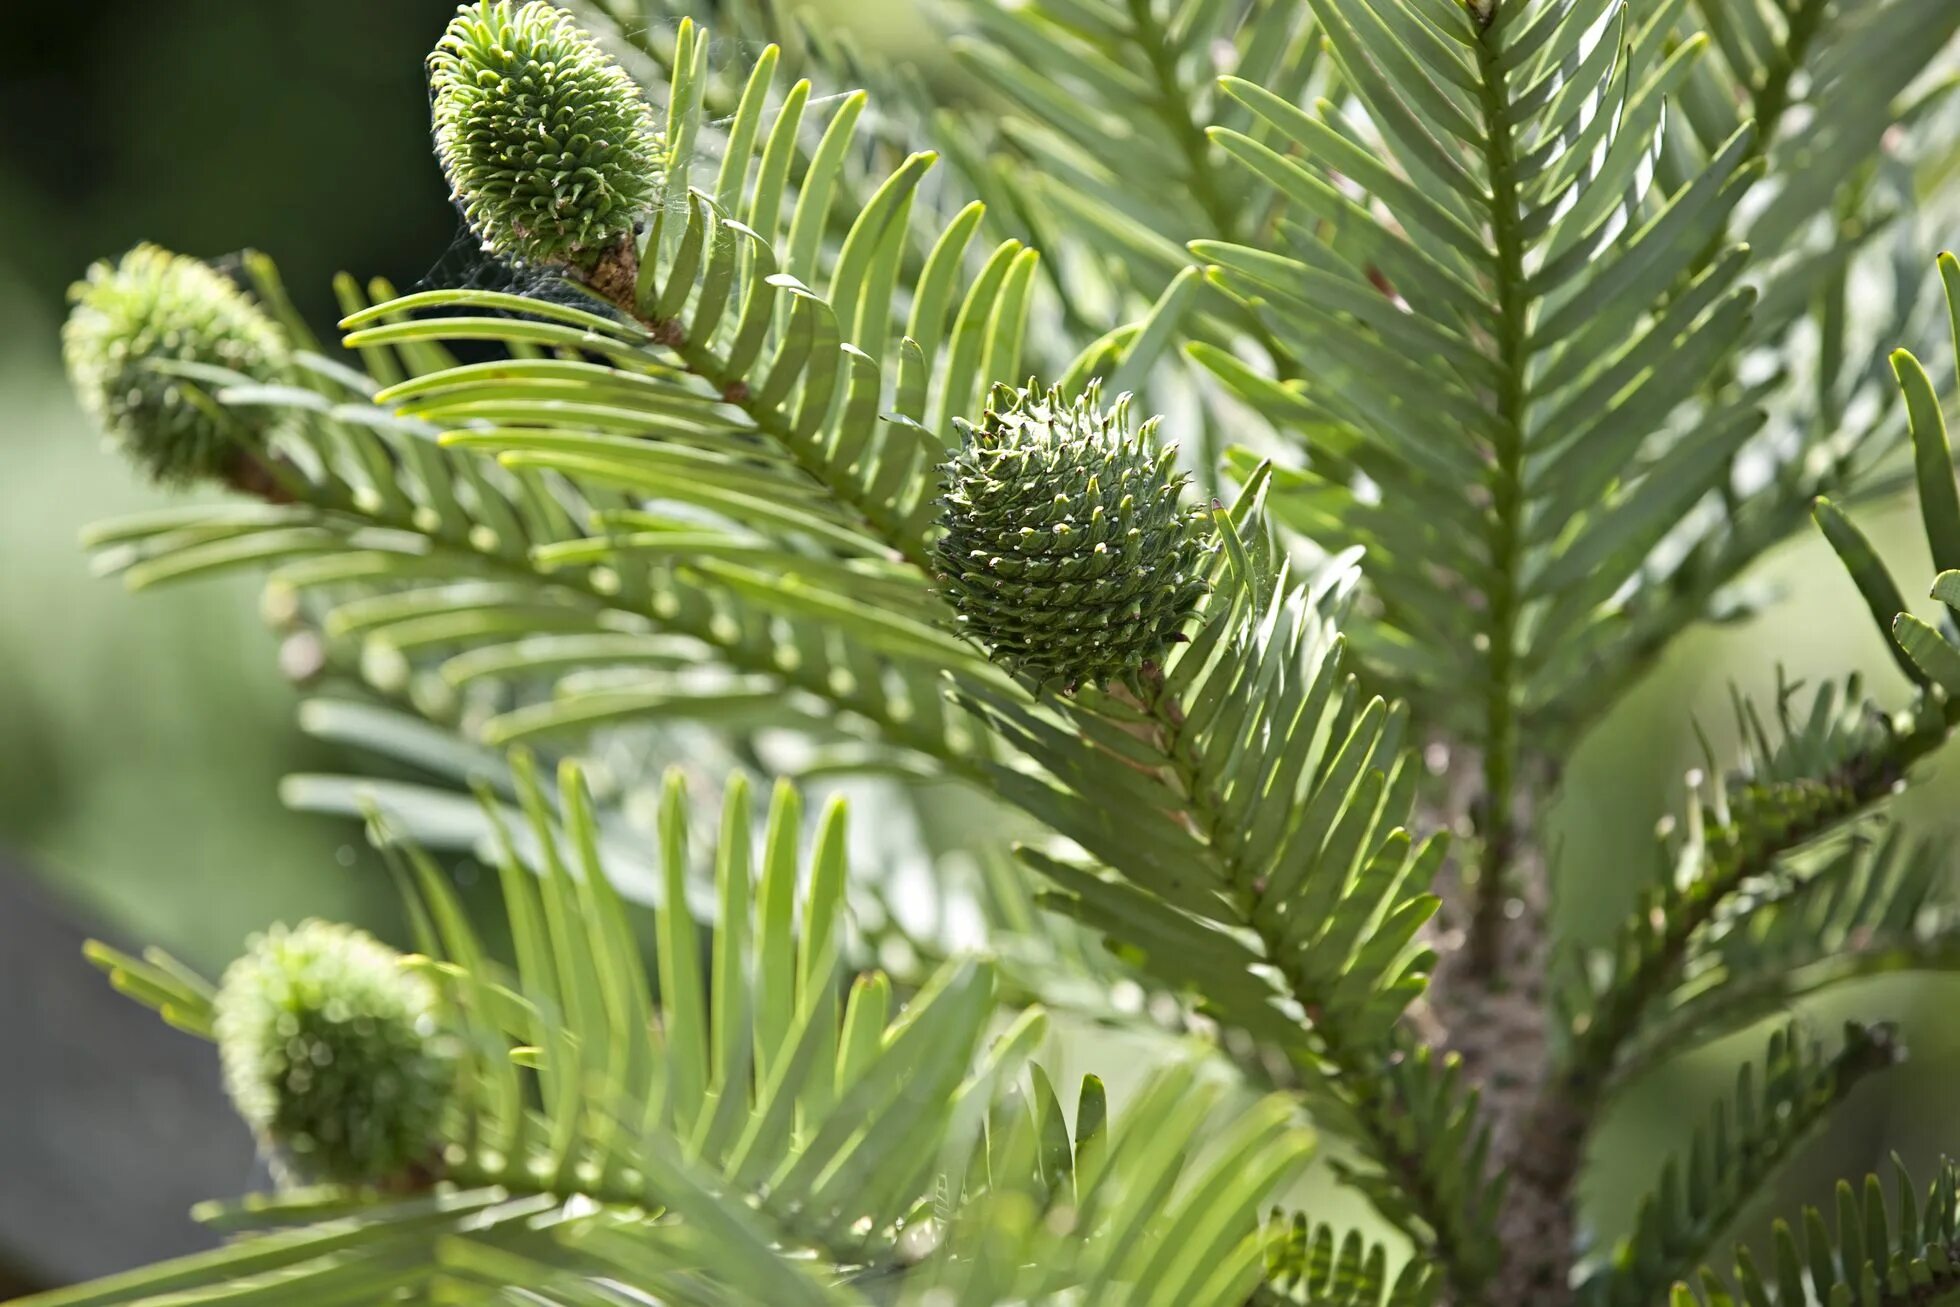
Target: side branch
1769,823
1362,1073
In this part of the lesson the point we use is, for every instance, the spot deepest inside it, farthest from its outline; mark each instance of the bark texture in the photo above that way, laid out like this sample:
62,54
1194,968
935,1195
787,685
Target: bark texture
1497,1021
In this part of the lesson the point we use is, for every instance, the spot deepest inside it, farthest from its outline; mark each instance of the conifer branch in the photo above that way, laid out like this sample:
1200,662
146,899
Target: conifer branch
1500,631
783,472
1425,1167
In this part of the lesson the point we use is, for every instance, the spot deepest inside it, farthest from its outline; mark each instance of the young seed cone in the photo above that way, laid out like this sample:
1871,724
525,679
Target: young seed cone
1067,553
136,319
333,1054
547,143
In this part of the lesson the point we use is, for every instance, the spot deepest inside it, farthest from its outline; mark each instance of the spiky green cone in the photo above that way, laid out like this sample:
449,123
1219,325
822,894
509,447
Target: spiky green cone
334,1055
151,309
1067,553
548,145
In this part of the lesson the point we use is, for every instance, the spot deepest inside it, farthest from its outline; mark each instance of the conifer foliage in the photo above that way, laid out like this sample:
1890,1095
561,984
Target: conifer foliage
1492,341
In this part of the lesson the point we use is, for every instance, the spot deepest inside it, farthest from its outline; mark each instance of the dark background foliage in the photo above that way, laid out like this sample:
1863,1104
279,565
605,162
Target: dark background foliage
298,128
141,739
140,742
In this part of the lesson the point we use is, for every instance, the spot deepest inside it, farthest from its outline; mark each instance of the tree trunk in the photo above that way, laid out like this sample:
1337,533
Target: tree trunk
1498,1022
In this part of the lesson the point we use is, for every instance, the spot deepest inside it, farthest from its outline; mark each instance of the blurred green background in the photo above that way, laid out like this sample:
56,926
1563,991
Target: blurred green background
141,738
143,735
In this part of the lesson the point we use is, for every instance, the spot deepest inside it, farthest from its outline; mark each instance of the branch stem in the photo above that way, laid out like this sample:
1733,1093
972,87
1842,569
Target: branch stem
613,281
1357,1071
1495,816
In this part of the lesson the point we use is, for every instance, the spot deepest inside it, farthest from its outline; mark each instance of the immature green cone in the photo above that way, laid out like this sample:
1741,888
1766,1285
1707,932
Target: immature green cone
1067,554
333,1055
547,143
156,308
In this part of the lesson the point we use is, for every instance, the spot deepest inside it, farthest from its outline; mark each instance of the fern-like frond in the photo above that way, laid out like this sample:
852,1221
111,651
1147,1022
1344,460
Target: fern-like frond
1307,1264
1517,315
1110,104
1859,910
1845,156
1776,1107
583,1084
1522,151
1518,288
1804,777
1827,767
416,557
1877,1256
1245,815
704,1138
